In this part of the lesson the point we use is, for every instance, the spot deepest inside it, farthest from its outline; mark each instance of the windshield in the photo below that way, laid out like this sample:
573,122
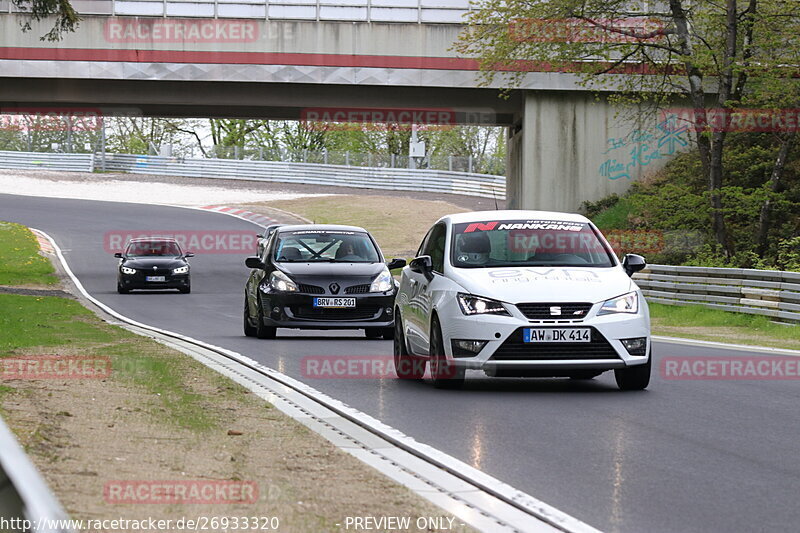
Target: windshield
153,249
527,243
325,246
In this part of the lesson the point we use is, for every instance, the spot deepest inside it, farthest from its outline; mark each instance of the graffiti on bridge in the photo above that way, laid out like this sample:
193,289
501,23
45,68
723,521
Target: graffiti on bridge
642,148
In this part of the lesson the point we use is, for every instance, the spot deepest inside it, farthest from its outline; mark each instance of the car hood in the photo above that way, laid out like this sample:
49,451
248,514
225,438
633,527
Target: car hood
545,284
331,270
150,262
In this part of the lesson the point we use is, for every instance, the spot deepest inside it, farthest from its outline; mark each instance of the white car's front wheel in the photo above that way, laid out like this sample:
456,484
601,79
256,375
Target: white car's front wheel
445,375
635,377
405,365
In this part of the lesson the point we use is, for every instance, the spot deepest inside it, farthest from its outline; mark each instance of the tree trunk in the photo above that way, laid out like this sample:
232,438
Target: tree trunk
775,182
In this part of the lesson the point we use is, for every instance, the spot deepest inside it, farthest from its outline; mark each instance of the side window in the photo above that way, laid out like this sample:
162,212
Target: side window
424,241
434,247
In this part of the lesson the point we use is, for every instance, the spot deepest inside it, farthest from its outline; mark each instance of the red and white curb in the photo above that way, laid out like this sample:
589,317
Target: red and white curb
45,246
243,214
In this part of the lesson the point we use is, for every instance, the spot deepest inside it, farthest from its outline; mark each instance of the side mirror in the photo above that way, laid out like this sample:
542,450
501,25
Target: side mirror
422,265
118,255
188,254
633,263
254,262
396,263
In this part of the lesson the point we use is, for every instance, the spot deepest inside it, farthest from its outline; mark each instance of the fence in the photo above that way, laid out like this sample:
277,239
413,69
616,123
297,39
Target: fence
47,161
393,179
761,292
23,493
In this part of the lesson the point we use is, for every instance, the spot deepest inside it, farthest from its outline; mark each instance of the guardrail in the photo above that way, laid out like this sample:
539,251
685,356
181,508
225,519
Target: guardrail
770,293
47,161
24,495
393,179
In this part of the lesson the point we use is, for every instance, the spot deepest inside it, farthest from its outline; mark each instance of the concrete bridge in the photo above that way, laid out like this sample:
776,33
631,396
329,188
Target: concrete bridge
280,59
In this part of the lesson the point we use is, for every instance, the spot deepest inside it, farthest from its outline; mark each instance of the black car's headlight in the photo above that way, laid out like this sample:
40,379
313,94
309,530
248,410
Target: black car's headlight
475,305
181,270
280,282
126,270
627,303
383,282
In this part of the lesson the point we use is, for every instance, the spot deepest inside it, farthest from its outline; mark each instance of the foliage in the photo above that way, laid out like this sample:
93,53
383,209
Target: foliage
66,18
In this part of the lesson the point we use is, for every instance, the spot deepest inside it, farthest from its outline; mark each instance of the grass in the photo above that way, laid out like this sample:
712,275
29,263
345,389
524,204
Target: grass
20,263
698,322
615,217
32,325
397,223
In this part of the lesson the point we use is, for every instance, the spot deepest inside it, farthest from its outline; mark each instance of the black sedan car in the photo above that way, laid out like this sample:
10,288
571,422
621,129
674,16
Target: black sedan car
153,263
319,276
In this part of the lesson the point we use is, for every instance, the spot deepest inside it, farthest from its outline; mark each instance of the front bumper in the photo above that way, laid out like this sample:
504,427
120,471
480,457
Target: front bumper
139,281
505,352
296,310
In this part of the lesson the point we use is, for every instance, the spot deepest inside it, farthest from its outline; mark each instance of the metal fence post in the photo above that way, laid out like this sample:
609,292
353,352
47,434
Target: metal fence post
469,164
347,158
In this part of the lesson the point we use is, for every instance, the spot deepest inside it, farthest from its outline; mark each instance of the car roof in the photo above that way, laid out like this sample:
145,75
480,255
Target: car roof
154,239
512,214
326,227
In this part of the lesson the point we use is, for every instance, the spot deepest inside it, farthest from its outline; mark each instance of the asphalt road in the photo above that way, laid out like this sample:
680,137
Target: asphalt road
681,456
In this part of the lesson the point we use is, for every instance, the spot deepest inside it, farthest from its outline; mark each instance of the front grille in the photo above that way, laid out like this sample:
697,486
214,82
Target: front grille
150,272
569,311
366,312
515,349
357,289
310,289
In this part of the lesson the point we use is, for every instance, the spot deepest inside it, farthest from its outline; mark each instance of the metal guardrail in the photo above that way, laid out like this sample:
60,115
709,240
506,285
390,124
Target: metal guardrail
47,161
24,495
410,11
770,293
393,179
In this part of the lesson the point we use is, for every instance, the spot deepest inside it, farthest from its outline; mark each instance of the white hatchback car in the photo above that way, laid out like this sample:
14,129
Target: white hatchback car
521,294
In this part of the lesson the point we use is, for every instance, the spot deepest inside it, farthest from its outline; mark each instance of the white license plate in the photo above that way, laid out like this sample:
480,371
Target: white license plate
334,302
155,278
557,335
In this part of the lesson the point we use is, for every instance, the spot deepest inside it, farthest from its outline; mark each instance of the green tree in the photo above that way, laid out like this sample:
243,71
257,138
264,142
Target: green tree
66,18
710,54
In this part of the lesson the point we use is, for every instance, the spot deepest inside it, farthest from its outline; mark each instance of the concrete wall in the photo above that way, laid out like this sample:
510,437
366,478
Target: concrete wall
572,148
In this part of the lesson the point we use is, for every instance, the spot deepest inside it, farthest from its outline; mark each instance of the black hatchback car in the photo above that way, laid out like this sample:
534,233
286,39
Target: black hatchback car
320,276
153,263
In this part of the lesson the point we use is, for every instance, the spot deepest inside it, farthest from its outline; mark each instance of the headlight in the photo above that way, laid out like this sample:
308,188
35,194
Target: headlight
278,281
181,270
383,283
475,305
126,270
627,303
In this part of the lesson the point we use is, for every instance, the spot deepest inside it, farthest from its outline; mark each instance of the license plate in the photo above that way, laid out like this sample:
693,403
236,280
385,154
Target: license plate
155,278
334,302
557,335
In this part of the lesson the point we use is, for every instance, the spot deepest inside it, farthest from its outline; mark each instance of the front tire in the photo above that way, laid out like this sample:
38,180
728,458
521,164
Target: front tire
635,377
249,329
405,365
262,331
444,374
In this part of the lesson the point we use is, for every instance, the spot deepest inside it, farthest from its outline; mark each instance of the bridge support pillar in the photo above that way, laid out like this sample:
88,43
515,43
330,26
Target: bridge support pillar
568,147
